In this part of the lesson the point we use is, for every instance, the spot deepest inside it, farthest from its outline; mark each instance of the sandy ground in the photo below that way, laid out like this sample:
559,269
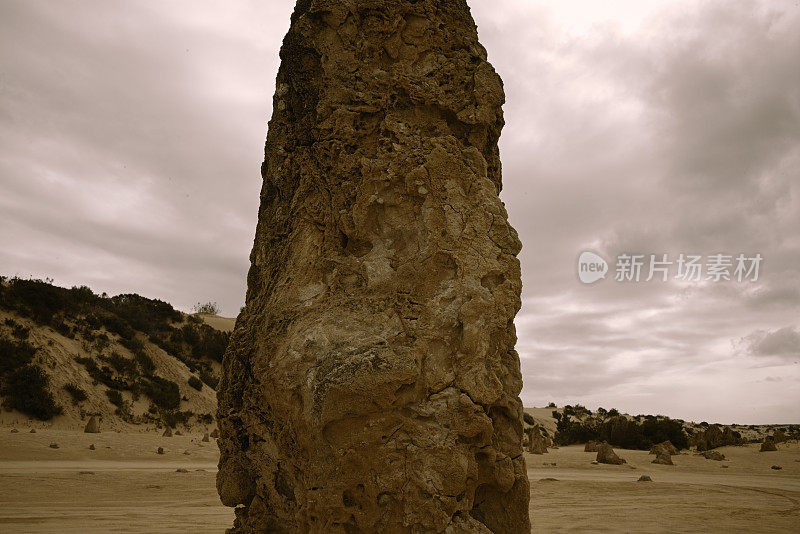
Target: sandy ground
121,486
694,495
124,486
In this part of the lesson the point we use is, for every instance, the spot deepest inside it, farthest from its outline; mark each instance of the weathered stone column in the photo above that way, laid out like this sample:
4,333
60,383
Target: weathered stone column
371,383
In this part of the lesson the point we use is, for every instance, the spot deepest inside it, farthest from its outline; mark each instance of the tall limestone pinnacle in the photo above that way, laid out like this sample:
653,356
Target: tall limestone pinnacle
371,383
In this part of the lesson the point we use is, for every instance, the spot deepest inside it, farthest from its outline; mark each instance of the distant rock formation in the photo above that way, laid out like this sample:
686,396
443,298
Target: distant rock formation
778,436
591,446
371,383
665,447
167,433
93,426
606,455
713,455
206,438
537,442
768,445
663,458
214,433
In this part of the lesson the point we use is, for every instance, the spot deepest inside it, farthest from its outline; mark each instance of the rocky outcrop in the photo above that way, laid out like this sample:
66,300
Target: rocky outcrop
167,433
779,436
93,426
591,446
606,455
768,445
713,455
537,442
371,383
665,447
663,458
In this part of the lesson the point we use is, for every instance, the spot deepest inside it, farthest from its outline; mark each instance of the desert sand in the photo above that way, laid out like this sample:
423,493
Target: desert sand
124,486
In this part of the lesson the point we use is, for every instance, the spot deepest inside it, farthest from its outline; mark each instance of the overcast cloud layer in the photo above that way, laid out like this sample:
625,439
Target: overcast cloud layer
131,137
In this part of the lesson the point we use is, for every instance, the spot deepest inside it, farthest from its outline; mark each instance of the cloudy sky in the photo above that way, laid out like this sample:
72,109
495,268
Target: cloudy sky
131,137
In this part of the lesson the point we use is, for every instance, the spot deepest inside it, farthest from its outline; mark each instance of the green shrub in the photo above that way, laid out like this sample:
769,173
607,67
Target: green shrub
26,390
115,397
171,418
20,332
205,418
210,308
145,363
123,407
133,344
528,418
196,383
103,375
122,365
620,431
15,354
164,393
76,392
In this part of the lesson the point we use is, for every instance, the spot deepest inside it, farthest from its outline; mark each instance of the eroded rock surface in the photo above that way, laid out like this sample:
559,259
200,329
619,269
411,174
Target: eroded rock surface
606,455
371,383
93,426
537,442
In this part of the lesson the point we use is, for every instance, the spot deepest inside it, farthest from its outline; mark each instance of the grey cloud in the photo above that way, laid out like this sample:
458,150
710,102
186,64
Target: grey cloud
680,137
782,342
131,136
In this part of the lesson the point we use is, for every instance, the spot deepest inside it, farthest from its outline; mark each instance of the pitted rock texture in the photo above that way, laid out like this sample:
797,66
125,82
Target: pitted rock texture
371,383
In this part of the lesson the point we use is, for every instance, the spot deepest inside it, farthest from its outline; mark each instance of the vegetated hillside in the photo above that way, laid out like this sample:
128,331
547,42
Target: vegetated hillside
577,424
67,354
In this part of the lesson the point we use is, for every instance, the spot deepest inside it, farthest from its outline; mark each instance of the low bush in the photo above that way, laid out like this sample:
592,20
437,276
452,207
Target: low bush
103,375
20,332
205,418
172,418
133,344
620,431
115,397
123,407
196,383
76,392
26,389
164,393
145,363
122,365
15,354
210,308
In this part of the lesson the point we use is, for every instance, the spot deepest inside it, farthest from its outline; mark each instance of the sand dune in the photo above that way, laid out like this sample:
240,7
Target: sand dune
130,488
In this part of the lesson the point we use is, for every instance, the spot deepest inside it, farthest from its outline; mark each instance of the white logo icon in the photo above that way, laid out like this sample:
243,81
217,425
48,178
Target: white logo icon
591,267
